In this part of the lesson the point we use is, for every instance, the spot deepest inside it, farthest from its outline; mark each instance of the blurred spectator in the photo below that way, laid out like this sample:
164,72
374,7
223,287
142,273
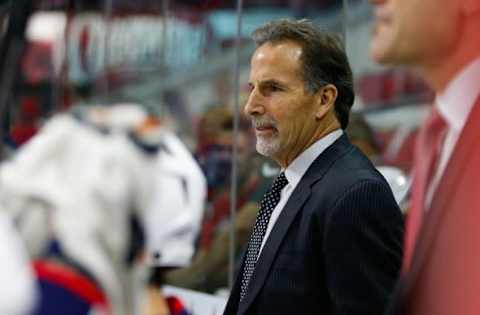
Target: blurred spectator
214,149
363,137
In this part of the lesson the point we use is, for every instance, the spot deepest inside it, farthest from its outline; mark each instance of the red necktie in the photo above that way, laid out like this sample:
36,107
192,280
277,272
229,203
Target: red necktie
427,154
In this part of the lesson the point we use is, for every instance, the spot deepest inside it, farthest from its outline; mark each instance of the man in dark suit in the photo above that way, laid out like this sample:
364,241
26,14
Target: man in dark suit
441,267
327,239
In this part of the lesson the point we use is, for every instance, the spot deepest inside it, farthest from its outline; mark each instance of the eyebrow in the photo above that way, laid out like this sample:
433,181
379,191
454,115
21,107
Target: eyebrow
270,82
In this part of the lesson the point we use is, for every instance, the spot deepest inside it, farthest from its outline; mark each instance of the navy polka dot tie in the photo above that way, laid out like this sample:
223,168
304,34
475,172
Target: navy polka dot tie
268,203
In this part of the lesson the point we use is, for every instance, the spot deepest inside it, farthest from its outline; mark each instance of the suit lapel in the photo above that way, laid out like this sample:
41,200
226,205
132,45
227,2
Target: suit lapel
267,256
467,142
294,205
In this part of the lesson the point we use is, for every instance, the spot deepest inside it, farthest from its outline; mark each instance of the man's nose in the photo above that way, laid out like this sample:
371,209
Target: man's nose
254,104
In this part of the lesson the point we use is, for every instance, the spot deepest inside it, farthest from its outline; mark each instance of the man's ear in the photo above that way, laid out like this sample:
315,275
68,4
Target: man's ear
469,7
325,99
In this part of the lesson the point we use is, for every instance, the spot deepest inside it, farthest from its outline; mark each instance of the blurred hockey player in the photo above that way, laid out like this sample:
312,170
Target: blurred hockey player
75,187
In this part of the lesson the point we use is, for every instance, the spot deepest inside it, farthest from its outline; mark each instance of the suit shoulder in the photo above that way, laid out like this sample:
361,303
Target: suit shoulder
351,169
352,182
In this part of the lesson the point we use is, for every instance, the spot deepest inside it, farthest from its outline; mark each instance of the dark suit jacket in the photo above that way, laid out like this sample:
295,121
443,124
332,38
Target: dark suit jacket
336,247
444,277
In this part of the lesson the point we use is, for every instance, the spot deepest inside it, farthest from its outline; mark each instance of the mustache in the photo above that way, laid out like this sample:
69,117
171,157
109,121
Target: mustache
261,122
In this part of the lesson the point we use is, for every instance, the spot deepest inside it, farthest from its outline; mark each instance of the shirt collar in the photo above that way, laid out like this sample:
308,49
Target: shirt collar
299,166
456,101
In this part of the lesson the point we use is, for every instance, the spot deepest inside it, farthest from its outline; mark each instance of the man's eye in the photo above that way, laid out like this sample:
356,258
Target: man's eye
274,88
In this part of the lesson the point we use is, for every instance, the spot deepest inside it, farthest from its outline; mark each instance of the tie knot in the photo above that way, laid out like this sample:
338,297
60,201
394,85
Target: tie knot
280,182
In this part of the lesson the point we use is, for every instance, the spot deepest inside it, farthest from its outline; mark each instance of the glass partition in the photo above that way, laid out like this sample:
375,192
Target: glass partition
187,61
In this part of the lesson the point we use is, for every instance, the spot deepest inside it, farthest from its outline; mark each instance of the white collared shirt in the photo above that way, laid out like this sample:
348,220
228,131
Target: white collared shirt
294,173
455,104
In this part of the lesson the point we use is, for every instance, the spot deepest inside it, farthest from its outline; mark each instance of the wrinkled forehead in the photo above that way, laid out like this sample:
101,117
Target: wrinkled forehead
276,60
287,49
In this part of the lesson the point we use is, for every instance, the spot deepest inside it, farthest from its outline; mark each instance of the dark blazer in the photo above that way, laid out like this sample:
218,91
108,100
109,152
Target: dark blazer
444,276
335,248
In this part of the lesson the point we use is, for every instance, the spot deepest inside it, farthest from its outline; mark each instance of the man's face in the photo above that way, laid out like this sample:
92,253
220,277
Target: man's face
281,110
414,32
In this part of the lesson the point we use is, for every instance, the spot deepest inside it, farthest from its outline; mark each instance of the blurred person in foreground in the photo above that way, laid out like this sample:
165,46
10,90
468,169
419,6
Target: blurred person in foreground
439,39
77,188
328,233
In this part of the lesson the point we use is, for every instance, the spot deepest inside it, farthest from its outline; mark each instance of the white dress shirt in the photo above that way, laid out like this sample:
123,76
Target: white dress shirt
455,104
294,173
